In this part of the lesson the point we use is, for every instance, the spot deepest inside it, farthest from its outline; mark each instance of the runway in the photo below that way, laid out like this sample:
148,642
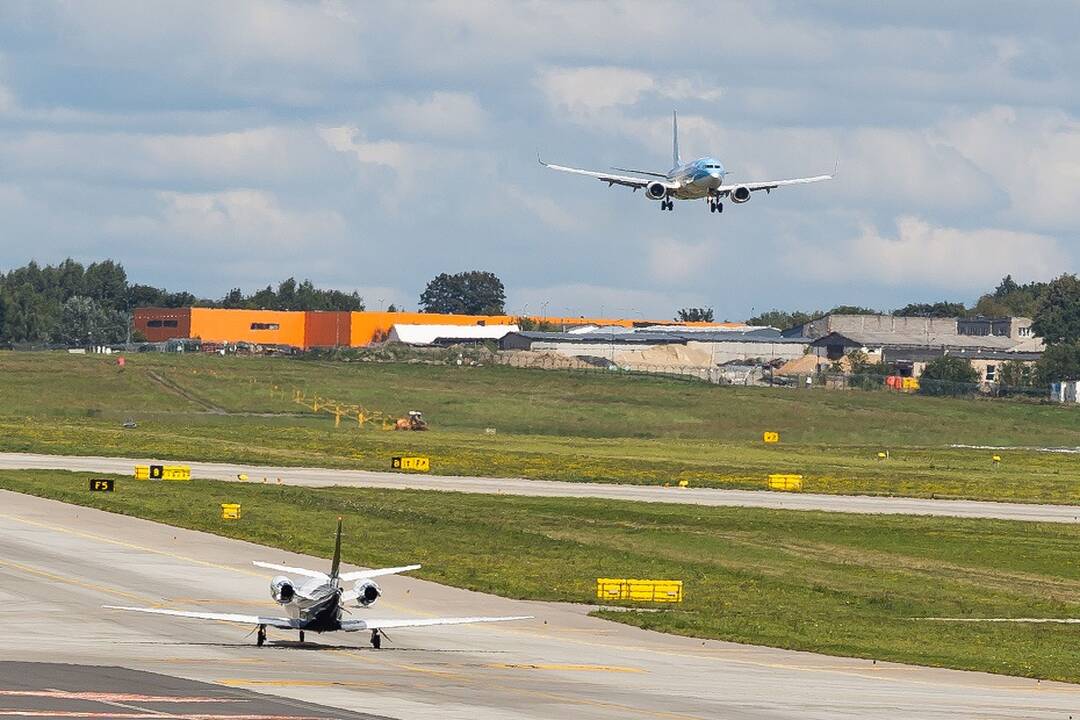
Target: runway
321,477
60,563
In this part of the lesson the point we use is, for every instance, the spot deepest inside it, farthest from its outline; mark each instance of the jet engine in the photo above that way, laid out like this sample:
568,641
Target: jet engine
656,190
281,589
740,195
367,593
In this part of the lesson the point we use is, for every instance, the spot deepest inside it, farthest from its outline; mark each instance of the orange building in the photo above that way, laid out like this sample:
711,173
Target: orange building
325,328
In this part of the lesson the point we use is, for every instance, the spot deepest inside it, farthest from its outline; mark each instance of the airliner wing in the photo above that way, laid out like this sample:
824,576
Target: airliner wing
610,179
293,570
377,624
278,622
378,572
771,184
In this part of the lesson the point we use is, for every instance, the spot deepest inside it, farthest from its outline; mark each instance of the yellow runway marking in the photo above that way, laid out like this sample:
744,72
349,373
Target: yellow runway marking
245,682
132,546
487,682
72,581
558,666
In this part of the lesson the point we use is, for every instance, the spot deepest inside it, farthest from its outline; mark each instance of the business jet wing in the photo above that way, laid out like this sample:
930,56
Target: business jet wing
292,570
378,572
609,178
386,624
283,623
769,185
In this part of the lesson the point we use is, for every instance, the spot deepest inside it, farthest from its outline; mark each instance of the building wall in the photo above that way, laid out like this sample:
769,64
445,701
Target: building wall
327,329
368,327
222,326
161,324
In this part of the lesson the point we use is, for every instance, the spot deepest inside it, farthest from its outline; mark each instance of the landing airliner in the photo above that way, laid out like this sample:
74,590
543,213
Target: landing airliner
317,604
702,178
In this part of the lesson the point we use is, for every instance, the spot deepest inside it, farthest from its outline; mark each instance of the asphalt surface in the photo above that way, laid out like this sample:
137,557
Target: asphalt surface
60,563
56,690
321,477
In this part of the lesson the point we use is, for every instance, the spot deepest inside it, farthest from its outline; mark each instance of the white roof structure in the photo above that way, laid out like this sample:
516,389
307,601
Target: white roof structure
428,334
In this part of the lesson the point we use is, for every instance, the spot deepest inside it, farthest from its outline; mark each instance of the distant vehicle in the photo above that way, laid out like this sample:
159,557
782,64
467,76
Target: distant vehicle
317,604
701,178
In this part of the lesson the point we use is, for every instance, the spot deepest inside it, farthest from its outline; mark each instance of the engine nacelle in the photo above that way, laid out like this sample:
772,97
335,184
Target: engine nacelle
740,195
367,593
282,590
656,190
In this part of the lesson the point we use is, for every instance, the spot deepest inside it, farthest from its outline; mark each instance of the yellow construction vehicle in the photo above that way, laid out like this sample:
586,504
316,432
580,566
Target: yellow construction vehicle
415,421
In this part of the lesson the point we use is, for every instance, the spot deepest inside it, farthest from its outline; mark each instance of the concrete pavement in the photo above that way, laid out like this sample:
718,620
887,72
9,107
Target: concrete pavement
321,477
59,563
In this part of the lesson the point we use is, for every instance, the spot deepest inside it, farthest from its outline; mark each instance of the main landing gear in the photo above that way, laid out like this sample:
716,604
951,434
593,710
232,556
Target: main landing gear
716,206
301,636
667,205
376,639
261,637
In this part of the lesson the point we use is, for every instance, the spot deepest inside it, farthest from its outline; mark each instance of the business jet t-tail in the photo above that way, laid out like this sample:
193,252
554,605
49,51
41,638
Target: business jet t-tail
318,603
702,178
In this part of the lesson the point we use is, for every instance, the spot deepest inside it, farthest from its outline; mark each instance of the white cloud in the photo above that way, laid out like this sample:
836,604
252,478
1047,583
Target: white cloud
585,299
922,254
676,261
544,208
242,230
582,92
440,115
1033,154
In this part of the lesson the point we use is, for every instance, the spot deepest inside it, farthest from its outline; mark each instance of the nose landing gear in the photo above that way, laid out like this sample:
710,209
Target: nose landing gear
376,639
667,205
261,637
716,206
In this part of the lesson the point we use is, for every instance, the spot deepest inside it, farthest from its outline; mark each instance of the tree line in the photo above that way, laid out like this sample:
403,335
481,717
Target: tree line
72,304
1008,299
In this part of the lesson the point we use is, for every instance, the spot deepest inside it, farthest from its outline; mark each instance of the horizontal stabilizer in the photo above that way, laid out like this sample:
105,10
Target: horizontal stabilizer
278,622
293,570
378,572
387,624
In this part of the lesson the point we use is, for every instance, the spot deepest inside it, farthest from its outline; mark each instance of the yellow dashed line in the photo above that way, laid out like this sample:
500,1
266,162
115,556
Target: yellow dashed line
558,666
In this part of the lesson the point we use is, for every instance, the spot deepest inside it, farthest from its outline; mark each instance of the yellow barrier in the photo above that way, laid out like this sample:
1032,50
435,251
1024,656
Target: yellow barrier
162,472
771,437
789,483
230,511
419,464
659,591
910,384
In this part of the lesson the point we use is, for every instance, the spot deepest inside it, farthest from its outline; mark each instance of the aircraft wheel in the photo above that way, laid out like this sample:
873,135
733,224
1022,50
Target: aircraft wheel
712,207
301,636
376,639
719,207
261,637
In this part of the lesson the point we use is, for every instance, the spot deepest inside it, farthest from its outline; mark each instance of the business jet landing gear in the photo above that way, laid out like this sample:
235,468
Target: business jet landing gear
716,206
301,636
376,639
667,205
261,637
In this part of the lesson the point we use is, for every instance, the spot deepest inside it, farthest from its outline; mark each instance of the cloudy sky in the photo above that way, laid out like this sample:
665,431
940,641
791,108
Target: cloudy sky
371,146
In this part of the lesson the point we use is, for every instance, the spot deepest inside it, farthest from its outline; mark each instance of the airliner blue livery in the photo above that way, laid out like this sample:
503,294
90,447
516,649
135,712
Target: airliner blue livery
704,178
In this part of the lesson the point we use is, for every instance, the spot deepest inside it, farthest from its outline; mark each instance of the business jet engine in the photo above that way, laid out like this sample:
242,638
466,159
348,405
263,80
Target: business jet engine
740,195
281,589
367,593
656,190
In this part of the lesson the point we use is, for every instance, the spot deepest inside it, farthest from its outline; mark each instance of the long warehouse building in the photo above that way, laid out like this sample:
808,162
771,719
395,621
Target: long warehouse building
314,329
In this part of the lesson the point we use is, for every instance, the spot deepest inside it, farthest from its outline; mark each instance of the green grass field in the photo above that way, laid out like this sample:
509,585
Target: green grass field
550,425
832,583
